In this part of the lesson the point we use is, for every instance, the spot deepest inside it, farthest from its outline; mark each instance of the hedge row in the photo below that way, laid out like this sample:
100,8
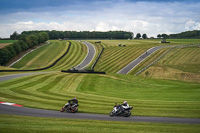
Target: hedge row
25,42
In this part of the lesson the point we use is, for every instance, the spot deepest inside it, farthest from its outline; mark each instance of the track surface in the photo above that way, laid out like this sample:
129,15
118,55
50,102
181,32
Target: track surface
23,111
88,58
137,61
8,77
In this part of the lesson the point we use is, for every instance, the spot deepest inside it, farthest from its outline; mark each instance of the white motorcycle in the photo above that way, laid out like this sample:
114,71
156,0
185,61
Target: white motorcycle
118,110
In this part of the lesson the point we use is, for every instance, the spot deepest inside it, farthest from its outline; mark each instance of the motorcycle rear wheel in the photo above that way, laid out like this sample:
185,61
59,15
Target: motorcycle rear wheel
74,110
127,114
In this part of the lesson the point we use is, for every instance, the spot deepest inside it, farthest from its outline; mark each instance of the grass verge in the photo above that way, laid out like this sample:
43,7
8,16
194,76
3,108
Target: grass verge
18,124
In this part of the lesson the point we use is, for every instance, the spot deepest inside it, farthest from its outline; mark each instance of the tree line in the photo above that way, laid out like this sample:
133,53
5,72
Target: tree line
24,42
195,34
81,34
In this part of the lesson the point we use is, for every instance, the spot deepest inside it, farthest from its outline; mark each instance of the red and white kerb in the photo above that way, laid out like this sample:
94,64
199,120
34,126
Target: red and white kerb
12,104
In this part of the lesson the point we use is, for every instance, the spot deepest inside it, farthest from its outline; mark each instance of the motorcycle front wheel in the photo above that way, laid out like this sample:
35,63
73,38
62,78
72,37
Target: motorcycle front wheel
62,110
111,114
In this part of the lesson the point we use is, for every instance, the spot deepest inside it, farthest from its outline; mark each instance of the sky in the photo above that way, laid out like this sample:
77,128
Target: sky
151,17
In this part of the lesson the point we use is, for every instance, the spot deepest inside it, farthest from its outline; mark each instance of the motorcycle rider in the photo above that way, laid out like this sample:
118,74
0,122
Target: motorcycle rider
72,102
123,107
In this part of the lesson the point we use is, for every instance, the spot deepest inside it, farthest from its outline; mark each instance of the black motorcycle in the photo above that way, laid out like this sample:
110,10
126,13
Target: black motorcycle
70,108
119,111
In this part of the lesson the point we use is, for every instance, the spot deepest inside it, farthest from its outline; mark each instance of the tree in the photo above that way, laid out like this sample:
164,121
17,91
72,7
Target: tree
31,40
159,36
54,34
24,46
138,36
14,36
40,38
144,36
45,36
11,49
165,36
17,47
5,56
127,36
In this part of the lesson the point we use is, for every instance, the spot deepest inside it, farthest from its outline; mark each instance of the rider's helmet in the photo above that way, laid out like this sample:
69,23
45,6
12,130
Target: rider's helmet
125,102
74,97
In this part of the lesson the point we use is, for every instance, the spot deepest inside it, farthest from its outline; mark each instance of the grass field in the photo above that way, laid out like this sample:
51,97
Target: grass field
180,63
8,41
115,58
98,93
146,42
19,124
4,43
75,56
148,60
43,56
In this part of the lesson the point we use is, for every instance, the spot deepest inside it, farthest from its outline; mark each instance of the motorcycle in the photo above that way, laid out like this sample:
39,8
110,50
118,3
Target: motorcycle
70,108
117,111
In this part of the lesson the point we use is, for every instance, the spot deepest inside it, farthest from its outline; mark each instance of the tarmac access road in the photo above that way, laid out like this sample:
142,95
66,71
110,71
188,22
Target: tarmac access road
137,61
88,59
24,111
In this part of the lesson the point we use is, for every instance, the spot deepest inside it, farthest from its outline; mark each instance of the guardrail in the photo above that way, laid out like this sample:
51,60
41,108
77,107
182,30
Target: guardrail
86,71
177,46
97,58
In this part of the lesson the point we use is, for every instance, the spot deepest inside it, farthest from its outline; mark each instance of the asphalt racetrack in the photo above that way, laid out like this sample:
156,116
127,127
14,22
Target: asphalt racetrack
137,61
24,111
13,76
88,58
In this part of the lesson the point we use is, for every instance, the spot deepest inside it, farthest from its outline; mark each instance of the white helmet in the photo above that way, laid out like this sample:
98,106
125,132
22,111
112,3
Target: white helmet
125,102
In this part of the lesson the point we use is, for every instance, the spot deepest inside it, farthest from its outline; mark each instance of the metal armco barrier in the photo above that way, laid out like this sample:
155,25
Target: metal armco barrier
88,71
97,58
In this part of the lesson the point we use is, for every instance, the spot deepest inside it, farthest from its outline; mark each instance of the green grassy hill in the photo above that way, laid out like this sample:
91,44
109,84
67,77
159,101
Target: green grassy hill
43,56
115,58
75,56
179,64
149,95
46,55
98,93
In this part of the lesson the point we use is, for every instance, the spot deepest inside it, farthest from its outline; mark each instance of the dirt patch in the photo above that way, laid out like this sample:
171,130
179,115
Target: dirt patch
4,44
190,77
170,73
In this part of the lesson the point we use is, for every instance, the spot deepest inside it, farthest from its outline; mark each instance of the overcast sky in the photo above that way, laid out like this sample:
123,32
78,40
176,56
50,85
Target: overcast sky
152,17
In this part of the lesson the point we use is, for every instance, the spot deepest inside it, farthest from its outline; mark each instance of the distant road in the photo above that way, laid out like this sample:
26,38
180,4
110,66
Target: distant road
88,59
13,76
24,111
137,61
